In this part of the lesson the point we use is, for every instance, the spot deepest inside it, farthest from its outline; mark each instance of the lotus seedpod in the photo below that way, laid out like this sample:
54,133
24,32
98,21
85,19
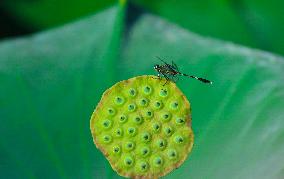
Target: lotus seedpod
143,127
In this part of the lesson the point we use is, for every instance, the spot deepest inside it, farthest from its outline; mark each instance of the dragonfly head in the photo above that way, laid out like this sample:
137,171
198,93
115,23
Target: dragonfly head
156,67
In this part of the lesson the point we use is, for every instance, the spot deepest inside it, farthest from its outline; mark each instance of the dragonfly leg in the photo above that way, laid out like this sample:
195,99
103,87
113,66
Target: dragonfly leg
167,79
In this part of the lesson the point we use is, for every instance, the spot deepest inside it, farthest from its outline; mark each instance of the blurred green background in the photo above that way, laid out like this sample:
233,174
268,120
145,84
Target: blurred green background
254,23
57,58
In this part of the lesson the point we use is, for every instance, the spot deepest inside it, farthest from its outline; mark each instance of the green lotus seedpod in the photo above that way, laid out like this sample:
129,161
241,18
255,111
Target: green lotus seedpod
142,127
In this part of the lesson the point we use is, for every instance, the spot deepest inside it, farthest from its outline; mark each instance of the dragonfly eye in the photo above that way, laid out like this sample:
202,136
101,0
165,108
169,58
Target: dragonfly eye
156,67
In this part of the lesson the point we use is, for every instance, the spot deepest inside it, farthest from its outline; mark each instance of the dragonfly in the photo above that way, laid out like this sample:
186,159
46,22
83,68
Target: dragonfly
171,72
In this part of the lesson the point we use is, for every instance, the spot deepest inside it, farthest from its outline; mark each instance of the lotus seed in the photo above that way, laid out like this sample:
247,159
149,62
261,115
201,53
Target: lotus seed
147,90
158,161
116,149
163,93
161,143
156,127
129,145
180,121
128,161
107,124
122,119
149,114
119,100
107,139
132,92
172,154
118,132
174,105
146,137
111,111
143,102
131,131
138,119
166,116
144,151
158,105
131,107
168,131
179,139
143,166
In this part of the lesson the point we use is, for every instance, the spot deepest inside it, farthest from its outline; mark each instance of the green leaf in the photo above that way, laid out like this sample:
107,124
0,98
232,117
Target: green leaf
52,81
254,23
39,14
50,84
